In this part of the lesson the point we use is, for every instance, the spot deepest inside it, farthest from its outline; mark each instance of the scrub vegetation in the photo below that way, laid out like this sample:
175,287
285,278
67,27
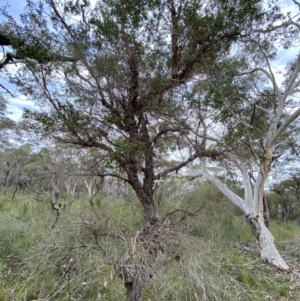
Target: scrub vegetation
208,256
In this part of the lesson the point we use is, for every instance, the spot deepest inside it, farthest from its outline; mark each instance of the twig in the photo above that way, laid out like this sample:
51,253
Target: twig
6,90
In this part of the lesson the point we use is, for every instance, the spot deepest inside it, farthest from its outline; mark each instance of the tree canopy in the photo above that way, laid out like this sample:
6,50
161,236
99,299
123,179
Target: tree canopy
156,85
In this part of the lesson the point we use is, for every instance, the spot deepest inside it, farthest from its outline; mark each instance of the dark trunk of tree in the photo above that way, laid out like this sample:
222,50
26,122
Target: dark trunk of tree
134,290
143,191
266,212
137,274
145,199
289,212
133,293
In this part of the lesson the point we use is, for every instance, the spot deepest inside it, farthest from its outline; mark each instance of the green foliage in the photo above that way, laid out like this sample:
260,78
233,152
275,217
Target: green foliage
125,78
7,125
286,195
124,95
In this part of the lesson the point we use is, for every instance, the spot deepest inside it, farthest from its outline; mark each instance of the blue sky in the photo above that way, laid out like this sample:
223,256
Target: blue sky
17,103
15,7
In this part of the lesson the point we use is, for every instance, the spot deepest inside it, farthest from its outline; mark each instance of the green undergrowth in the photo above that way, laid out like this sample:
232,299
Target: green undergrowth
210,255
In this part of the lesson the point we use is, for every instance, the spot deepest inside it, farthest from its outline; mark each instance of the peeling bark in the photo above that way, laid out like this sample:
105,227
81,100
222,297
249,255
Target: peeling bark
254,225
266,243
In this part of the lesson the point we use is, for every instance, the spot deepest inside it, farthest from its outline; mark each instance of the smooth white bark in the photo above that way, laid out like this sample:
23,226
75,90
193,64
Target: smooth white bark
233,197
265,239
268,249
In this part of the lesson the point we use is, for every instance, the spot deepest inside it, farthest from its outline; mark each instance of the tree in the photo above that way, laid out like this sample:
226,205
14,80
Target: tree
289,190
15,169
126,93
30,48
253,121
7,126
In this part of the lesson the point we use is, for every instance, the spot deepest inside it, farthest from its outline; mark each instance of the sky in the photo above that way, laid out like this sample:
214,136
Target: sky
17,103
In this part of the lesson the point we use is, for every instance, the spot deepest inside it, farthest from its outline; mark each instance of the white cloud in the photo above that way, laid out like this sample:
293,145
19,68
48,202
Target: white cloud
22,100
15,113
17,104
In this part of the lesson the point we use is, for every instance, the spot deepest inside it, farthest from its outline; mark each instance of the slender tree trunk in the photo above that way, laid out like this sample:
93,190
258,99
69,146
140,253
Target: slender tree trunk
89,187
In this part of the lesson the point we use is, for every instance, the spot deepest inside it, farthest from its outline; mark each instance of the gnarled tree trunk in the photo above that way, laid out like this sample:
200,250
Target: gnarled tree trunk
137,273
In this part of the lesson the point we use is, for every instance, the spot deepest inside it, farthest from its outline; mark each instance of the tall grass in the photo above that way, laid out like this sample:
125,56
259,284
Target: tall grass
209,256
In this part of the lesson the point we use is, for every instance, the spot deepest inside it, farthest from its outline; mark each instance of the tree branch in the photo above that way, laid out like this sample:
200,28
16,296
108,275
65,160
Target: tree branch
284,126
175,168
